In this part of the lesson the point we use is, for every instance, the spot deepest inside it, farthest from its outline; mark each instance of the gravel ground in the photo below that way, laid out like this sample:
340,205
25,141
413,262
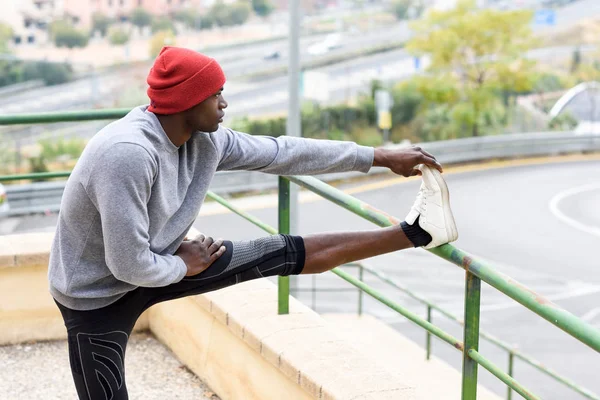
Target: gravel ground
41,371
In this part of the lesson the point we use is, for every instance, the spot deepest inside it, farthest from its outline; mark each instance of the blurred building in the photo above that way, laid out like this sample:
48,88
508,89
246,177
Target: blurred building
30,18
307,5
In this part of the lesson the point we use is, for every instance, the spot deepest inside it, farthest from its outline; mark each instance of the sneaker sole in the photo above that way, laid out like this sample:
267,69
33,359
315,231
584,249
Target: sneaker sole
448,216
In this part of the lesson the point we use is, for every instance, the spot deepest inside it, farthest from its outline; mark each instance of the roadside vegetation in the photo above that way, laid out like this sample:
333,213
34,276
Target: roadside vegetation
463,92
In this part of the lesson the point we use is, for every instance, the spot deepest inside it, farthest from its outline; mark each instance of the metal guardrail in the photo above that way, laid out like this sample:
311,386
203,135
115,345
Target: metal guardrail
513,352
475,269
41,197
475,272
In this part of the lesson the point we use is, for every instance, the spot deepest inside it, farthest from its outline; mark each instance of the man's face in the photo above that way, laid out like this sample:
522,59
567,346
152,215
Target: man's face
207,116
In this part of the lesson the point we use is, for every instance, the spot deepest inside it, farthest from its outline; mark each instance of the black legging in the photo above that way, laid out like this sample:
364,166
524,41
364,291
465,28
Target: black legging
98,338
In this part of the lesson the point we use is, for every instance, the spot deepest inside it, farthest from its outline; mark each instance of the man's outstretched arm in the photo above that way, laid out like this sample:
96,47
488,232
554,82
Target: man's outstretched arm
302,156
403,161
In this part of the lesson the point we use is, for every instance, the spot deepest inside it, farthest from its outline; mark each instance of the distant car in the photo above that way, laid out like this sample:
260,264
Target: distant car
272,55
4,207
331,42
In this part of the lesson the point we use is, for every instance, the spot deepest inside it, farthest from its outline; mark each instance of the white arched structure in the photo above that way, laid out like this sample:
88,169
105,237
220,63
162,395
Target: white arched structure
572,94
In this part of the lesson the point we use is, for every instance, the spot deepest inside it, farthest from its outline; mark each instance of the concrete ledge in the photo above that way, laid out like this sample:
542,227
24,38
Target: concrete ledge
232,339
235,334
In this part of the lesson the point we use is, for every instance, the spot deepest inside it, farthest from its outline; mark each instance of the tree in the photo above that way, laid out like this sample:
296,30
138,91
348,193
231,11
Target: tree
65,35
9,70
163,24
159,40
6,34
240,12
235,14
262,8
118,36
141,18
406,9
101,23
477,54
400,9
50,73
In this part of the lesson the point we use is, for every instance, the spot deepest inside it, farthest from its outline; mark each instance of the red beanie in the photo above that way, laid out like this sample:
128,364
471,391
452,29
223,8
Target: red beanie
181,79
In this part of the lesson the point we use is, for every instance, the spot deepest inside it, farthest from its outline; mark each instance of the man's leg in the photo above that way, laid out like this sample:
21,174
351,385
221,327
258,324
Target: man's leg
281,255
97,341
429,223
329,250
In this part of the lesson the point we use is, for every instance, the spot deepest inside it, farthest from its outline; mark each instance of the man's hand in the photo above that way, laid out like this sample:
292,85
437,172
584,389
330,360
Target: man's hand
200,253
404,161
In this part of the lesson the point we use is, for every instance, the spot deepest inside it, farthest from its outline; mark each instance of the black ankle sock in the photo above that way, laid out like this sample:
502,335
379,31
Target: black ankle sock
415,233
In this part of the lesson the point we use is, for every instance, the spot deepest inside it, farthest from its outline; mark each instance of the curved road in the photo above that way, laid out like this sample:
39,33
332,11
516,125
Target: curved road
504,216
539,224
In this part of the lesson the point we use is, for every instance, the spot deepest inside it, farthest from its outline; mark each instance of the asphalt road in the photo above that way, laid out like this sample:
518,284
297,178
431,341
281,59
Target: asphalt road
538,224
505,217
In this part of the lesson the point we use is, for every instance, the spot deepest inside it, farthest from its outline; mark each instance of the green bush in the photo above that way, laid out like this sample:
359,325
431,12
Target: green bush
61,150
118,36
10,73
193,20
400,8
140,17
50,73
101,23
563,122
548,82
262,7
206,22
163,24
159,40
229,15
64,35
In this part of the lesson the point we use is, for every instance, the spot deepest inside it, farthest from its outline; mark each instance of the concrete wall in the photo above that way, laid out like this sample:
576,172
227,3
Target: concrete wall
232,339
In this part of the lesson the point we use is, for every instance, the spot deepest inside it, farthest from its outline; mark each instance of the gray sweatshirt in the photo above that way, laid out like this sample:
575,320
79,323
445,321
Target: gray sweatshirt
133,196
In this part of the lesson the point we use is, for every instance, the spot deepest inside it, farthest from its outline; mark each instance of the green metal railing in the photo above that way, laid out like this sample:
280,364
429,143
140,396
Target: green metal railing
430,307
475,270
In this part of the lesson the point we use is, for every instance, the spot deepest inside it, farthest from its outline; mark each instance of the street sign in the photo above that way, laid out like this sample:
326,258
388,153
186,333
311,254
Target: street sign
385,120
545,17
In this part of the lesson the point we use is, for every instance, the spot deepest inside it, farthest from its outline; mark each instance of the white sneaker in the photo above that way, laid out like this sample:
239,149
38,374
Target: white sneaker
433,207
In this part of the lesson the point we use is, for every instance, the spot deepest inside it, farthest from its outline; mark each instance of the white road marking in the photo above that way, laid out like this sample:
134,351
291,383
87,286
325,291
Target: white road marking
569,294
553,205
590,315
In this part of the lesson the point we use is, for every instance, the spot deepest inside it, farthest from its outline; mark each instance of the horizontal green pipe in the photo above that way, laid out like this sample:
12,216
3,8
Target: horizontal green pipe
340,198
411,316
521,294
373,293
540,305
503,376
503,345
242,213
64,116
553,374
39,175
433,306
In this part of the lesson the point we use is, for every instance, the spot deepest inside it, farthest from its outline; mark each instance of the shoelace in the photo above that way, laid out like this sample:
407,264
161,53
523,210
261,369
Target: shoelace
421,200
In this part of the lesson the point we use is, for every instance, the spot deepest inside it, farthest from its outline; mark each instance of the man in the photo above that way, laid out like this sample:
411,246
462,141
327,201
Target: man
120,243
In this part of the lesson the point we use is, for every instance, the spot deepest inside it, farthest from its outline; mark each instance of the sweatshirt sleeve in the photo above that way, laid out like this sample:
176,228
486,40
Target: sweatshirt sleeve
120,187
287,155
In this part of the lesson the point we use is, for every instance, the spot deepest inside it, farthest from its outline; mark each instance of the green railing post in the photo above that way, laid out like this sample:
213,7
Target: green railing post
471,336
511,360
360,292
284,227
428,337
